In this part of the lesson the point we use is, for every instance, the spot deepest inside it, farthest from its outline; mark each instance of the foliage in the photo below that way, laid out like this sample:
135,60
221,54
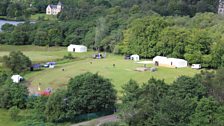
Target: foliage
125,27
17,62
93,92
14,113
114,124
37,106
56,107
86,93
214,83
13,95
68,56
207,112
185,102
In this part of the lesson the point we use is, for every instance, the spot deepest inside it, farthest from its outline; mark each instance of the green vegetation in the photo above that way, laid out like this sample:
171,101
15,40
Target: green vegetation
17,62
151,35
185,102
187,29
5,119
35,53
94,92
43,17
123,71
55,78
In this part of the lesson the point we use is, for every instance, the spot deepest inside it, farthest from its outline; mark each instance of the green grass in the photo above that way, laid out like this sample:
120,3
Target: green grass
55,78
5,119
44,16
36,53
119,75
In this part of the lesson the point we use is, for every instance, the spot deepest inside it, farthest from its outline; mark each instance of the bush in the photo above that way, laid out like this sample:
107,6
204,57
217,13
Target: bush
68,56
14,113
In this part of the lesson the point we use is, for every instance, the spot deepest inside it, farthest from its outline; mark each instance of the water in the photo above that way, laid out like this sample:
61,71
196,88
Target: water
2,22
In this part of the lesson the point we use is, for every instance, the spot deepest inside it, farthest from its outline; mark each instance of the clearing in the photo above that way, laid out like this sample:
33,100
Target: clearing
123,71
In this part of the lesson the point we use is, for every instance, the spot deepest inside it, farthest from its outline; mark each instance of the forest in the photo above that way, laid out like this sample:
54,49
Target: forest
122,27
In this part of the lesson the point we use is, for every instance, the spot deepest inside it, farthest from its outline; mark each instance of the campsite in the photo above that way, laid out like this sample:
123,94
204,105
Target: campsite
111,62
120,74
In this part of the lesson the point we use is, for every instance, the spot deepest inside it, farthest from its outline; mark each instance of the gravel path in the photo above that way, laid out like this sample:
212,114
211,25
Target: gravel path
98,121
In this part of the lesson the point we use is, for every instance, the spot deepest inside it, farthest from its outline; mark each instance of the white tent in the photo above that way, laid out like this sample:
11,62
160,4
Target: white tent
196,66
77,48
135,57
170,62
16,78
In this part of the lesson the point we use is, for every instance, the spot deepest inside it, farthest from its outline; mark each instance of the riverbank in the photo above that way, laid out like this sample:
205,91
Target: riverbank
11,19
33,18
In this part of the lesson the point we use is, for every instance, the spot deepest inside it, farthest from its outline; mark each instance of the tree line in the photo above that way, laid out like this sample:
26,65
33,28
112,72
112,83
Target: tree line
22,9
197,39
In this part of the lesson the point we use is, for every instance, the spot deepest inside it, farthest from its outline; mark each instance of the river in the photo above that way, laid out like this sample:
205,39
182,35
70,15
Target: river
2,22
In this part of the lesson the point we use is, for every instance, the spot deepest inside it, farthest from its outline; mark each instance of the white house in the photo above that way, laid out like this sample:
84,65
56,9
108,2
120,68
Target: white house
134,57
169,62
77,48
221,7
54,9
16,78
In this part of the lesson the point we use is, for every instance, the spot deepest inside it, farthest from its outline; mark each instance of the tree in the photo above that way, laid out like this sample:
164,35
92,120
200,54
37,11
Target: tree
13,95
90,93
8,27
141,106
56,107
17,62
207,113
101,32
214,83
188,87
37,106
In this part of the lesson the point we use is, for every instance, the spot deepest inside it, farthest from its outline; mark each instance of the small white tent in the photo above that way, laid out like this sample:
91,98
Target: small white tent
16,78
135,57
196,66
77,48
170,62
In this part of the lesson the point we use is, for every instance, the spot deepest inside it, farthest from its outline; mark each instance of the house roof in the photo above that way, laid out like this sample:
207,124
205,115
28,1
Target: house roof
135,55
162,58
59,3
76,46
53,6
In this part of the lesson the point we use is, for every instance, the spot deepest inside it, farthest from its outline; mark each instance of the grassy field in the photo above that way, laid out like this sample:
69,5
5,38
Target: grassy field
36,53
119,75
5,119
43,16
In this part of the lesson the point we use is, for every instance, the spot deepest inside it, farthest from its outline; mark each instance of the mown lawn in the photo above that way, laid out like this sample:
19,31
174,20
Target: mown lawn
123,71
